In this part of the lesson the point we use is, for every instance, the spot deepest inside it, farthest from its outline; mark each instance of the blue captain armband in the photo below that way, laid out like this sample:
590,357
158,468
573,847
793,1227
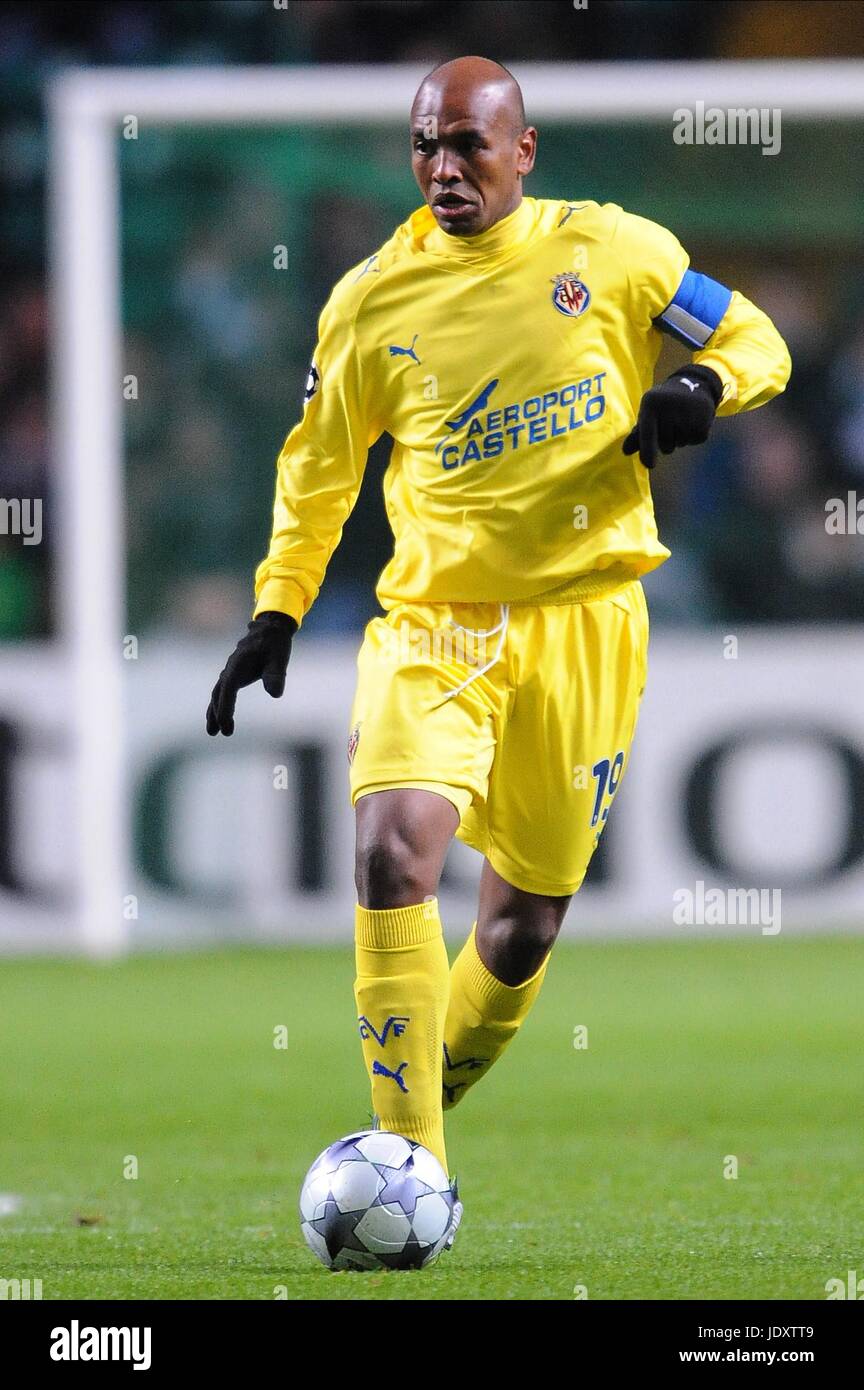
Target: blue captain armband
696,310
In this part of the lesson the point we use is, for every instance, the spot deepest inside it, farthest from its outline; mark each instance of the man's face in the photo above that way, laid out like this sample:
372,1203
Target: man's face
468,155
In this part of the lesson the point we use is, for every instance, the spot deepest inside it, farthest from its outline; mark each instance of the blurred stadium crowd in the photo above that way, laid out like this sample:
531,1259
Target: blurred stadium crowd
219,339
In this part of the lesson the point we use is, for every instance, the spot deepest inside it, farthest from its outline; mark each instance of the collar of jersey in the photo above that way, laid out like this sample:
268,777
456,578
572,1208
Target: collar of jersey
498,243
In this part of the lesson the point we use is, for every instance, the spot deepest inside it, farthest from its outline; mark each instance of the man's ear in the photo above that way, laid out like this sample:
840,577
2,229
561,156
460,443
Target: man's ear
527,151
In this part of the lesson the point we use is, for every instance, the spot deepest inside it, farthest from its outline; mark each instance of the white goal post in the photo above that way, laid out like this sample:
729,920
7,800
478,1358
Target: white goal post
87,107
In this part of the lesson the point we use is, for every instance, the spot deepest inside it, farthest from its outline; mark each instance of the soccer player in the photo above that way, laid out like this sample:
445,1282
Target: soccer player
507,345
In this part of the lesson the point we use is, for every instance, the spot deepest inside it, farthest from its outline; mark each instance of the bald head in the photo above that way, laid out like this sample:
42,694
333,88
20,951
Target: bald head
470,145
475,79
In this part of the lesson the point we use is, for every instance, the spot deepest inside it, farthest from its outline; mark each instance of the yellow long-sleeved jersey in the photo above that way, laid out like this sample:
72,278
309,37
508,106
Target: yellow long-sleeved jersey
508,369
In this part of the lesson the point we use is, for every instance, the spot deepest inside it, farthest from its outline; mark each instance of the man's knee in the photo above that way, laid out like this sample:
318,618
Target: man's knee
390,871
516,930
402,838
532,932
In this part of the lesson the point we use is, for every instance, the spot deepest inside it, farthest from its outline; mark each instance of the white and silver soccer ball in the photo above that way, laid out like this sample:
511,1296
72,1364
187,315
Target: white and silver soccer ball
376,1200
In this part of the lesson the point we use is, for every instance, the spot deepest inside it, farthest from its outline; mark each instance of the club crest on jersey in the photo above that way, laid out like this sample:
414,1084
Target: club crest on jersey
571,296
353,740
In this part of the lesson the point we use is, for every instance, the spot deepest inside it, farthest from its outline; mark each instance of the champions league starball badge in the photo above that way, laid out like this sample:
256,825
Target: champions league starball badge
313,381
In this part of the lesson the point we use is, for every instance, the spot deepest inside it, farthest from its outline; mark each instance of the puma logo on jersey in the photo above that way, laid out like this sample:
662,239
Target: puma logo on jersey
396,351
571,208
370,267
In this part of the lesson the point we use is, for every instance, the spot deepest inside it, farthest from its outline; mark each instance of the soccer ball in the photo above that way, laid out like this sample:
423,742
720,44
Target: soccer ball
376,1200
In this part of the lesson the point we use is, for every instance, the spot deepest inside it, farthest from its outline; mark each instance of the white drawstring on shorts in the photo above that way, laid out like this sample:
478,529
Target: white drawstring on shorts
501,627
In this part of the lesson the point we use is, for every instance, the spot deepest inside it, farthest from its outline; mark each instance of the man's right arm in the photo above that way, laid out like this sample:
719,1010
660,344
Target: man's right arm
320,469
319,473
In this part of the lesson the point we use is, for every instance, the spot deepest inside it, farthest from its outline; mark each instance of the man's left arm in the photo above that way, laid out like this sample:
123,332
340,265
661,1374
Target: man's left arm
739,362
748,355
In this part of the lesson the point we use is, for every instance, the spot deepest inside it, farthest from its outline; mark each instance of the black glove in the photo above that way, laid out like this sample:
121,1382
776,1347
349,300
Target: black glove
680,411
261,655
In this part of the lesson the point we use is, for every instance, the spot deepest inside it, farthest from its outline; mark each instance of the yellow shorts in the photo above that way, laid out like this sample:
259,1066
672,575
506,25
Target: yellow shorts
522,717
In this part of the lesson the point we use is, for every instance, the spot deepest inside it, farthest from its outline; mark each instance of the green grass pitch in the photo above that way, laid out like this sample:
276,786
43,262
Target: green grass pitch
601,1166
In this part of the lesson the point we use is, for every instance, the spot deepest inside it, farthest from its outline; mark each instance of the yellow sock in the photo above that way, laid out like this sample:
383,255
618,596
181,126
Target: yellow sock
401,992
482,1018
